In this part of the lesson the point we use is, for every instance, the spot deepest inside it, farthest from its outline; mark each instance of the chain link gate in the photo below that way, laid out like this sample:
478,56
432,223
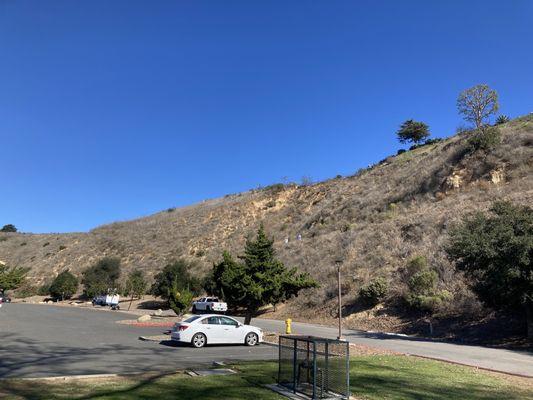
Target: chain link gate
316,367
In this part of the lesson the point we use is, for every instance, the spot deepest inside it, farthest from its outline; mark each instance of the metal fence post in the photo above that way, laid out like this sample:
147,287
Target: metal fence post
294,366
314,370
347,370
279,361
326,367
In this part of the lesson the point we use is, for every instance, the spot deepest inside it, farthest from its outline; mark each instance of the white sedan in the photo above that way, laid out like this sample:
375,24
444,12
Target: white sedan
200,330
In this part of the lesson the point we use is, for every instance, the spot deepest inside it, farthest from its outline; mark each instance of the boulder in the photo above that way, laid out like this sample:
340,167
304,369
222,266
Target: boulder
159,312
144,318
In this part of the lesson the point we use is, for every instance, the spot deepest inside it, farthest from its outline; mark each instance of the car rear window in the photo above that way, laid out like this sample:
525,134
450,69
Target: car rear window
211,321
228,321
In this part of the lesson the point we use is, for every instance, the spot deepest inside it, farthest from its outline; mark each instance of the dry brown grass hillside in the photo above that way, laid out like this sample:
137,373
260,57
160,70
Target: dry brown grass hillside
374,221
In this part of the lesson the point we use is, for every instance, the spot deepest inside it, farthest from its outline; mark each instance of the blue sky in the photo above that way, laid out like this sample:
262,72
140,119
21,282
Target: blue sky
110,110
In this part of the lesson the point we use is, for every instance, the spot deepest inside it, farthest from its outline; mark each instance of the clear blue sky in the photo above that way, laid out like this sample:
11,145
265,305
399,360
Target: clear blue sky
111,110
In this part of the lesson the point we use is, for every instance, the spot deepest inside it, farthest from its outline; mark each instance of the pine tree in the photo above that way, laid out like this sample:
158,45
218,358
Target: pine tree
260,279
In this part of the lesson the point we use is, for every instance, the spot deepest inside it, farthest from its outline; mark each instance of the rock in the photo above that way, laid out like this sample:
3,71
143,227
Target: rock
144,318
159,312
49,302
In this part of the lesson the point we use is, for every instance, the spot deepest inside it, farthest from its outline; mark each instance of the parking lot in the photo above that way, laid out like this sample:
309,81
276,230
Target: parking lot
43,341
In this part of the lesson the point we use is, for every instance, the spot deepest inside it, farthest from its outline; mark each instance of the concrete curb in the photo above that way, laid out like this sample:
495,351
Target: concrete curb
67,377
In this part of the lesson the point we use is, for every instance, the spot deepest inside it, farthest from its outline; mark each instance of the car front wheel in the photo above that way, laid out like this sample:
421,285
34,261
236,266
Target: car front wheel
199,340
251,339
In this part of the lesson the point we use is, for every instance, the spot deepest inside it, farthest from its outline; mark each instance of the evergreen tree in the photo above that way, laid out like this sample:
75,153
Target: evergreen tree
260,279
12,277
412,131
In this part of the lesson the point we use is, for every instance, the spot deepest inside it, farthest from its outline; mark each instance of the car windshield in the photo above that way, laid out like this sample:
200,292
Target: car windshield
193,318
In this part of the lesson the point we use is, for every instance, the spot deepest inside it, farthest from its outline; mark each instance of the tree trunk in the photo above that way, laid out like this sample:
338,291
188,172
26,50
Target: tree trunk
131,301
529,320
248,317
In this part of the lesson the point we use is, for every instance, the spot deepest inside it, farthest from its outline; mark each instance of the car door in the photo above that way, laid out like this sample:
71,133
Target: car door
213,330
232,330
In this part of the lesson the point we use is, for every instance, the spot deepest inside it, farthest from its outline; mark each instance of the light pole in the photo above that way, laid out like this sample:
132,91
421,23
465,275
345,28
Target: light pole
338,263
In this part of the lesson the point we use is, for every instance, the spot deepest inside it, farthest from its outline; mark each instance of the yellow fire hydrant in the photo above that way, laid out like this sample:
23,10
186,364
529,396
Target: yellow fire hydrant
288,326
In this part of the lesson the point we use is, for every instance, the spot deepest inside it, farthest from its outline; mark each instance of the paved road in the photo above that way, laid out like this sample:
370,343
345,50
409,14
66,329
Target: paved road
517,362
41,341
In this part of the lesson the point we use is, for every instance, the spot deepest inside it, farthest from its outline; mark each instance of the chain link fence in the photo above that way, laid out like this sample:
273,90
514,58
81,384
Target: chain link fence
316,367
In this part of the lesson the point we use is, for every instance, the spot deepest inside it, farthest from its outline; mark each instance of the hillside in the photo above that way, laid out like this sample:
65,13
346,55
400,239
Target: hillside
373,221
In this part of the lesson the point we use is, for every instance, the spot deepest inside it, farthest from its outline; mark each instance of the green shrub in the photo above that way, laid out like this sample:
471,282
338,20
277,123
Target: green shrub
374,292
180,301
415,265
423,282
485,138
43,290
422,293
64,286
502,119
429,303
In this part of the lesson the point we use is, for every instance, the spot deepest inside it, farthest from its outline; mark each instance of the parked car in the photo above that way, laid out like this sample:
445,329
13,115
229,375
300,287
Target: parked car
200,330
4,299
111,300
209,304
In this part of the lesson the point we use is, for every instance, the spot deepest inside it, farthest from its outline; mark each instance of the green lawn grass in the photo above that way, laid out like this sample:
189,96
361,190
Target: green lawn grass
372,377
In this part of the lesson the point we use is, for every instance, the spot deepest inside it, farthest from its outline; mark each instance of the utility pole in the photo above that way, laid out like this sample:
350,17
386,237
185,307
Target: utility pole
339,263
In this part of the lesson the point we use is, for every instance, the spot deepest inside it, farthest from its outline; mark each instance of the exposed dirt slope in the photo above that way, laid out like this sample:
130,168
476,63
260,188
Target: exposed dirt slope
374,221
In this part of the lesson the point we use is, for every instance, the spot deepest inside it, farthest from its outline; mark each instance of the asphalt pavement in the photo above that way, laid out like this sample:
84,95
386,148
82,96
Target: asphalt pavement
45,340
